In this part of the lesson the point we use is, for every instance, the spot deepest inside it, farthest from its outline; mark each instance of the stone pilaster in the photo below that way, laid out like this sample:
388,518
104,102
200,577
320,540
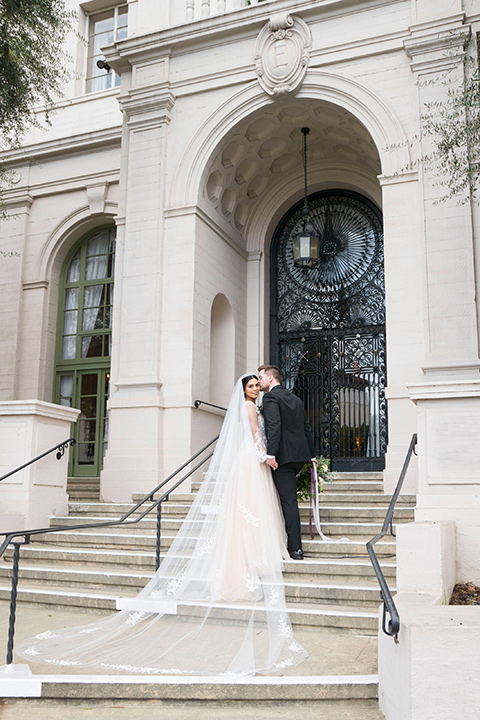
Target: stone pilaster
134,458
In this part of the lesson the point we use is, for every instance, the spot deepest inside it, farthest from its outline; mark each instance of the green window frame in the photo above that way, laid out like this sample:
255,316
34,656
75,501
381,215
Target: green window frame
83,348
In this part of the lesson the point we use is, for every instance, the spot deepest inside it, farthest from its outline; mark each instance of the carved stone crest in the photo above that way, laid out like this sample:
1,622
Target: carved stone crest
282,53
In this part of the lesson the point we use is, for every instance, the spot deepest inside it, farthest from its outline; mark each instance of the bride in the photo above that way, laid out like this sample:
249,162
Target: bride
216,605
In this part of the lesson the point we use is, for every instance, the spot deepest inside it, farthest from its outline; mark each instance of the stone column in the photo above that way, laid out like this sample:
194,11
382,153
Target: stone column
256,351
133,461
18,204
405,321
448,395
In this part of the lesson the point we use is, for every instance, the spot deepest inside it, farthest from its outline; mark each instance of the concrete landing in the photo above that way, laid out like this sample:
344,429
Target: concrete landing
146,710
332,652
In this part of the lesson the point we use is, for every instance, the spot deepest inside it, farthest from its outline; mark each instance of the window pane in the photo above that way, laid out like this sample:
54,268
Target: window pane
73,274
89,384
71,299
88,407
66,390
98,244
93,319
108,317
107,341
92,346
94,296
86,453
101,22
70,323
96,267
122,16
68,350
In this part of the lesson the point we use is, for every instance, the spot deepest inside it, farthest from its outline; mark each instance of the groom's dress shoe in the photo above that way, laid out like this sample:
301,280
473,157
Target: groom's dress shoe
297,554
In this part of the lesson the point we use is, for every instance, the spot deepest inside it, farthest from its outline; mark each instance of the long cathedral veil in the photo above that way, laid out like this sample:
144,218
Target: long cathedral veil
216,605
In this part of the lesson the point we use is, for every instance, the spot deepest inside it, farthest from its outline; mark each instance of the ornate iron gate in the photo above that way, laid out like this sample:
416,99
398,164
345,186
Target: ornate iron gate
328,327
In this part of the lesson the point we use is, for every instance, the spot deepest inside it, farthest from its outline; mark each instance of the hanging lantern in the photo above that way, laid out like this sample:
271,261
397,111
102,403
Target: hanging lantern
306,244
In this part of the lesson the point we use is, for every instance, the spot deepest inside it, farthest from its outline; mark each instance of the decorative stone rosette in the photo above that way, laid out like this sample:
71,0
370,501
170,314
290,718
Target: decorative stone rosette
282,54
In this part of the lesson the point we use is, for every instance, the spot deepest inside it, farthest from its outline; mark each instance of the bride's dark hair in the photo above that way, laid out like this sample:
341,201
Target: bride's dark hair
247,379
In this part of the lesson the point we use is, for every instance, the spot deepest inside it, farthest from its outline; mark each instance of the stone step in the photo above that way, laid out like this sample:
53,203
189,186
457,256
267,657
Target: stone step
301,614
138,538
89,578
330,512
363,531
332,693
86,488
294,570
347,485
332,496
364,486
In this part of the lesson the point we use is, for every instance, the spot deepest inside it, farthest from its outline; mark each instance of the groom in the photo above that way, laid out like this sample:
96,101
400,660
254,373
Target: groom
289,446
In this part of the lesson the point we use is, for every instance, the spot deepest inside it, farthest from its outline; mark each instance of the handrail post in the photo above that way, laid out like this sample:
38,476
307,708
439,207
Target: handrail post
13,599
158,541
386,595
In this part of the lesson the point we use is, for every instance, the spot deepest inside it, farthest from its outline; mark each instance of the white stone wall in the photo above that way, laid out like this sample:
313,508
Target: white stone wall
186,98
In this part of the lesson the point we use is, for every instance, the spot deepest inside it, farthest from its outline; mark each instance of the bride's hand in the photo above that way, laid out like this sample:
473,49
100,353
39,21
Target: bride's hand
272,462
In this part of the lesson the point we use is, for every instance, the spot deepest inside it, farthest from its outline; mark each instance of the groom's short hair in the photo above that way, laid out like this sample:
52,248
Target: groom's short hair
272,370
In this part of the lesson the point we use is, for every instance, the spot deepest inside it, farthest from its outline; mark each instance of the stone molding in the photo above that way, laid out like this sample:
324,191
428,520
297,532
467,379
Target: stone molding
68,145
147,106
38,408
437,52
379,119
36,285
97,197
445,389
18,200
282,54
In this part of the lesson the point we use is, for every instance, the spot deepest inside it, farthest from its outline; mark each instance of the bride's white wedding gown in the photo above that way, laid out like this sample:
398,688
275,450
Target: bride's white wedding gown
253,534
216,605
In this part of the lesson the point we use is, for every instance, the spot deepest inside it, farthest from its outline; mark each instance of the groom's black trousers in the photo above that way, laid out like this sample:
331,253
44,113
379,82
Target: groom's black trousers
285,482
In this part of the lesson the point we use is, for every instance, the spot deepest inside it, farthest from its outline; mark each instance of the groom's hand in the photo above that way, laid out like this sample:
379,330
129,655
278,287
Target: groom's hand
272,462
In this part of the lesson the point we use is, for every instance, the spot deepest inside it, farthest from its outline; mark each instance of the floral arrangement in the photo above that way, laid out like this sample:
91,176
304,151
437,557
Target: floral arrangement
304,478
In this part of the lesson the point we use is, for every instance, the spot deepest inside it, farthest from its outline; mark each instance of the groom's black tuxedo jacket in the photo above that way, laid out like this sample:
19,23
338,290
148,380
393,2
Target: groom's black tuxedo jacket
289,438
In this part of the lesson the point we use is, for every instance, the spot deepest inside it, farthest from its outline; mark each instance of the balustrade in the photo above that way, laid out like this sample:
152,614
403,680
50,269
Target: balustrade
200,9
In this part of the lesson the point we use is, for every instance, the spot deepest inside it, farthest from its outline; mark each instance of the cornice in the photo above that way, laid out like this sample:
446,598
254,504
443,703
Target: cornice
134,49
35,285
74,144
145,101
434,51
17,200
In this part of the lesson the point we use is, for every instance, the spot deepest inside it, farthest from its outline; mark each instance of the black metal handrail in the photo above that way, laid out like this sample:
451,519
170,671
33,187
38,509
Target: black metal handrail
60,448
197,404
386,596
10,537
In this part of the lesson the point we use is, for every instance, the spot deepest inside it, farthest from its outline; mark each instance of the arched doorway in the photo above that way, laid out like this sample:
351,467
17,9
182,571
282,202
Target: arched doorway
83,348
327,327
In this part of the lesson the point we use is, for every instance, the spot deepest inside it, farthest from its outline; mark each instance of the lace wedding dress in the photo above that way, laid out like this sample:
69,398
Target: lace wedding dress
216,605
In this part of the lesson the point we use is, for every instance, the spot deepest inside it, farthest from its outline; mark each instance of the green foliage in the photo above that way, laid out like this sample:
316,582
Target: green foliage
453,123
304,477
32,61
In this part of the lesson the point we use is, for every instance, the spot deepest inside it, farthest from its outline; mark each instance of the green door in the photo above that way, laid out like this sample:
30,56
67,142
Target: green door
91,429
84,344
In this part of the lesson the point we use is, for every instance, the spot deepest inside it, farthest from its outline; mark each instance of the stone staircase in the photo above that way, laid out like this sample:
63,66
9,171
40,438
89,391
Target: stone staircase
333,589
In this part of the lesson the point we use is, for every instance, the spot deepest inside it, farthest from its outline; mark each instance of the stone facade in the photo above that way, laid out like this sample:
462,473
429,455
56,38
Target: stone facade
195,158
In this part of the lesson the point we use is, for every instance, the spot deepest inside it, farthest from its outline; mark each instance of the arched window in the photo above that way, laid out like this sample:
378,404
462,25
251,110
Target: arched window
84,345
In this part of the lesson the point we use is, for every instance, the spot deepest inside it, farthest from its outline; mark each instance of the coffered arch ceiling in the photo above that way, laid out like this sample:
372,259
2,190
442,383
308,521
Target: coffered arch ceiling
266,149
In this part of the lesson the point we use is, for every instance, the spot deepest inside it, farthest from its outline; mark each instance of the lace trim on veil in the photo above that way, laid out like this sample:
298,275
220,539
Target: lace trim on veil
216,605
